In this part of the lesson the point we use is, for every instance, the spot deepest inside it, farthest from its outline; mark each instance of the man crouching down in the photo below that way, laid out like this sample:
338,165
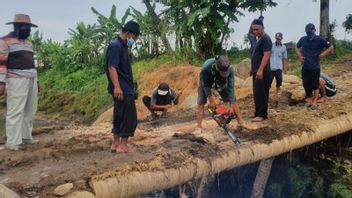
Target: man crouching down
217,75
161,100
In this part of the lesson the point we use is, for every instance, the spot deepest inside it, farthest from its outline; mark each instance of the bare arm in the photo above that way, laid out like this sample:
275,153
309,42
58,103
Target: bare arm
115,81
264,62
157,107
299,54
285,64
326,51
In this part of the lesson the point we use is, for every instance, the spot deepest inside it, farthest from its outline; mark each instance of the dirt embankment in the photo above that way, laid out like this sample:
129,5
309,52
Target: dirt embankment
75,154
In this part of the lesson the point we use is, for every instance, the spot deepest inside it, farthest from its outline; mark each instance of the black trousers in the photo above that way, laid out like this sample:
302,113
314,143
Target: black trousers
125,116
261,93
277,74
147,102
310,80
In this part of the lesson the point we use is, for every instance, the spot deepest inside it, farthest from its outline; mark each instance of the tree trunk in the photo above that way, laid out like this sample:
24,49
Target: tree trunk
139,181
262,178
324,18
159,25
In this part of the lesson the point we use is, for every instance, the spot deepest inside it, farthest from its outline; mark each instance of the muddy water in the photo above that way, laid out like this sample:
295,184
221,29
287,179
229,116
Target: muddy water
312,171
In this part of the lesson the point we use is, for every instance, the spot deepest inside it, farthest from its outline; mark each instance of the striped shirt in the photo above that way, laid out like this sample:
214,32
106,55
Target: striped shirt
16,58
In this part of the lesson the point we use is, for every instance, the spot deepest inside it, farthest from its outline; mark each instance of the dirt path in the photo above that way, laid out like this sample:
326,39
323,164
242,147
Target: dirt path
74,154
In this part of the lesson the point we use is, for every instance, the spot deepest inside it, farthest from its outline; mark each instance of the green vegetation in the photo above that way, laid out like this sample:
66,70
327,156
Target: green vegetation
333,181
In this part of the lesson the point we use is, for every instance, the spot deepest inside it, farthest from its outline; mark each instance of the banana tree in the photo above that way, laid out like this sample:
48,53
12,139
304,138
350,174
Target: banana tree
108,26
85,43
207,22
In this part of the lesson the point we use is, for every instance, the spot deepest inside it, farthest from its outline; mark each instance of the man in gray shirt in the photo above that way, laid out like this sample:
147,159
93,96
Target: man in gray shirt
278,61
162,98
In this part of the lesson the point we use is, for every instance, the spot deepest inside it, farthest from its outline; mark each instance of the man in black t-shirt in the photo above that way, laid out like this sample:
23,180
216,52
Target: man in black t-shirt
260,70
162,98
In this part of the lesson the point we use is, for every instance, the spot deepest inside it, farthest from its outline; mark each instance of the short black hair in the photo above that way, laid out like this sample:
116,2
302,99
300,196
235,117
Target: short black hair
257,22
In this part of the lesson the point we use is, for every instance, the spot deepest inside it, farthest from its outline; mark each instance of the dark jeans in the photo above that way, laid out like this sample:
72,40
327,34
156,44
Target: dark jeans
310,80
261,94
125,116
277,74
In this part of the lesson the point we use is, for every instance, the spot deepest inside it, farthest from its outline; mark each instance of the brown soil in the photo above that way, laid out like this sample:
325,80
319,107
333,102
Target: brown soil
76,153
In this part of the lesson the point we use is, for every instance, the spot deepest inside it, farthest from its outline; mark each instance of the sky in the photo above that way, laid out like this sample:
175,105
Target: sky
54,17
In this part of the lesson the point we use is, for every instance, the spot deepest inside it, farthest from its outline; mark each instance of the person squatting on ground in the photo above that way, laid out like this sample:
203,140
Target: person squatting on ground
217,75
161,100
327,87
260,70
19,75
310,50
278,62
121,86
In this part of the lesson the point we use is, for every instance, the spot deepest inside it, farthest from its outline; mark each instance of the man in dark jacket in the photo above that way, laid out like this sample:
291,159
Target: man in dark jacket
121,86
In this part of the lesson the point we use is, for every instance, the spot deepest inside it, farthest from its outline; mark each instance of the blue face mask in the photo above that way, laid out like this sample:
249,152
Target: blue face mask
130,42
310,35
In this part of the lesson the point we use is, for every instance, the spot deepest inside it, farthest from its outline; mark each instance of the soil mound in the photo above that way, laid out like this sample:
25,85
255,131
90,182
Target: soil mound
183,78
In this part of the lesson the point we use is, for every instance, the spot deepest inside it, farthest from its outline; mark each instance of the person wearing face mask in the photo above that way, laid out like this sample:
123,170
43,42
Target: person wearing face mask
19,76
310,49
121,86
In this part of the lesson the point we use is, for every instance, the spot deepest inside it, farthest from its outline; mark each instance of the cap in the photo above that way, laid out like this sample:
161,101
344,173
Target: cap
133,27
163,89
223,65
278,35
310,27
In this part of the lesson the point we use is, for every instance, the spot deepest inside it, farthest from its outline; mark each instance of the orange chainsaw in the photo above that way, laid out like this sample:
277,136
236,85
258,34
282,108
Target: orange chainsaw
223,117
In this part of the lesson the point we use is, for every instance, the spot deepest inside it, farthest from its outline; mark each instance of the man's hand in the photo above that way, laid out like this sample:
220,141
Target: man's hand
259,74
250,72
118,93
301,58
2,89
212,103
167,107
232,107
